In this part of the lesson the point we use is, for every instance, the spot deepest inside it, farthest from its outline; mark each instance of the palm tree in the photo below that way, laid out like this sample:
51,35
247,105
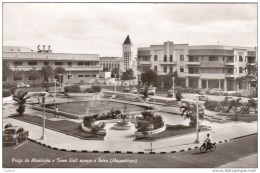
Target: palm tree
189,110
235,104
20,98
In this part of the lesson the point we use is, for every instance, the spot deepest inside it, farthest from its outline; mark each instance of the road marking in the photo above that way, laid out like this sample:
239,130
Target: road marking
53,159
21,144
94,160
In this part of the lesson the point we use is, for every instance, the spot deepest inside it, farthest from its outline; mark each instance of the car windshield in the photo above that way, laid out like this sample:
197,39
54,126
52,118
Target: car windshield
9,131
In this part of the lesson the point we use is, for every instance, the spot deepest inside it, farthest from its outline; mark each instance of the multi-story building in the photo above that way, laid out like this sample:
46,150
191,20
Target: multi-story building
78,67
207,66
111,63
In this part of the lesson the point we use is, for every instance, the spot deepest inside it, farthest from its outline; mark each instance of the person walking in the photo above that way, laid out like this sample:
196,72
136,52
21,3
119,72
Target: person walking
56,112
39,99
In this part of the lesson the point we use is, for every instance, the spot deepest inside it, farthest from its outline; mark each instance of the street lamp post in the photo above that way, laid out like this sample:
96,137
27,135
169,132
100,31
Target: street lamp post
115,82
197,120
43,119
60,78
151,127
55,89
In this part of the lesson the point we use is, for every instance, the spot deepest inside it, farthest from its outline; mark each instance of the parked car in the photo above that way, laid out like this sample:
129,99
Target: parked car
203,98
126,90
23,85
216,91
204,91
151,91
14,135
134,90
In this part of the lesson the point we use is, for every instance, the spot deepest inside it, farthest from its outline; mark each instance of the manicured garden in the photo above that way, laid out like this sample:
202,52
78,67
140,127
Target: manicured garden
63,126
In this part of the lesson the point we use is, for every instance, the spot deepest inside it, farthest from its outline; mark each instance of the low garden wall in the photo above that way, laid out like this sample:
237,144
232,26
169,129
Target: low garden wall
101,132
65,114
84,94
137,134
114,121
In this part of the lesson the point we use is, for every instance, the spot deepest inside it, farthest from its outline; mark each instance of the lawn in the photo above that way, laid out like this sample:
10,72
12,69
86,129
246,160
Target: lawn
171,131
63,126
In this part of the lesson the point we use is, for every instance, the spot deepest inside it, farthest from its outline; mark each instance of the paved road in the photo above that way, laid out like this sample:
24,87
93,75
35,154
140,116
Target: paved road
42,157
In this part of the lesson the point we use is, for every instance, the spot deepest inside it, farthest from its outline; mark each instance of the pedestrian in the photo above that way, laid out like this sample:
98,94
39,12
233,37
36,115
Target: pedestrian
56,112
39,99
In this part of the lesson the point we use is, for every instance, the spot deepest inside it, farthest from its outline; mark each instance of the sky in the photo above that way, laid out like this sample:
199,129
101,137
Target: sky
101,28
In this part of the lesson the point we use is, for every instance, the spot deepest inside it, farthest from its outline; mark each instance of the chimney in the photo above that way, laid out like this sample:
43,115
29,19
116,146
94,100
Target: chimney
49,47
43,47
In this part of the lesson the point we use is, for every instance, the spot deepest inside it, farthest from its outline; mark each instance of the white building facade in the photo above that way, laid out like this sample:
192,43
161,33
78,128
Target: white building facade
207,66
79,68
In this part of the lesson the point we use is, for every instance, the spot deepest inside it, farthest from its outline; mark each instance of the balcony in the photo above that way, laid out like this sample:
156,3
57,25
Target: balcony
231,75
167,62
145,63
193,63
230,63
193,74
213,75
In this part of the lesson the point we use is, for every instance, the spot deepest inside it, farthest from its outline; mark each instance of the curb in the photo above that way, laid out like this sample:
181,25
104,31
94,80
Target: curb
132,152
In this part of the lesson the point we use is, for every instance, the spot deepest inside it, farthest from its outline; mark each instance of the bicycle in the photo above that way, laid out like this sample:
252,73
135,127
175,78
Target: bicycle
204,148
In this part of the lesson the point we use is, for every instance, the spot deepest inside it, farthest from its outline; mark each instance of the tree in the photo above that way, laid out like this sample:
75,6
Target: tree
106,70
17,75
46,72
58,70
6,70
168,82
149,77
128,75
115,72
235,104
21,99
189,111
33,73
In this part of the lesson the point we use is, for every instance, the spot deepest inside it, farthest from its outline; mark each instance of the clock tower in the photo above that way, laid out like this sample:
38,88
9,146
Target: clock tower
128,54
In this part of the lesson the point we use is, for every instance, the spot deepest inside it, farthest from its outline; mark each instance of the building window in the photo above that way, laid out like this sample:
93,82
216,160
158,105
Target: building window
171,69
240,58
181,57
165,58
69,63
213,58
32,63
80,75
32,77
171,58
181,69
87,63
69,76
87,75
155,68
155,58
58,63
17,63
165,69
240,70
46,63
80,63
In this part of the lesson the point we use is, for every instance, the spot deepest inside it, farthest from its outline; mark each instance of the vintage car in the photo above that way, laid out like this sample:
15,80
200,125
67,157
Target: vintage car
23,85
126,90
203,98
14,134
134,90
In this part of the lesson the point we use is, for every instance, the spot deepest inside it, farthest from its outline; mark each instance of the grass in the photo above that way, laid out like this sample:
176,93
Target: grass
63,126
171,131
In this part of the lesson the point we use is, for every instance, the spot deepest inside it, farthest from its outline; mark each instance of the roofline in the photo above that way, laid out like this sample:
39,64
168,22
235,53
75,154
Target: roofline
44,53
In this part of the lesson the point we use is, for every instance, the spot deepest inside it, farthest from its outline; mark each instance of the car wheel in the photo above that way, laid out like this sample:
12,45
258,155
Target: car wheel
16,142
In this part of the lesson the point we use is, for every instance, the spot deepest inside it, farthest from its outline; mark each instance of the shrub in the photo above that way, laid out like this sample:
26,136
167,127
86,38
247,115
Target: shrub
149,118
6,85
6,93
72,89
88,121
212,105
244,109
95,89
178,95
